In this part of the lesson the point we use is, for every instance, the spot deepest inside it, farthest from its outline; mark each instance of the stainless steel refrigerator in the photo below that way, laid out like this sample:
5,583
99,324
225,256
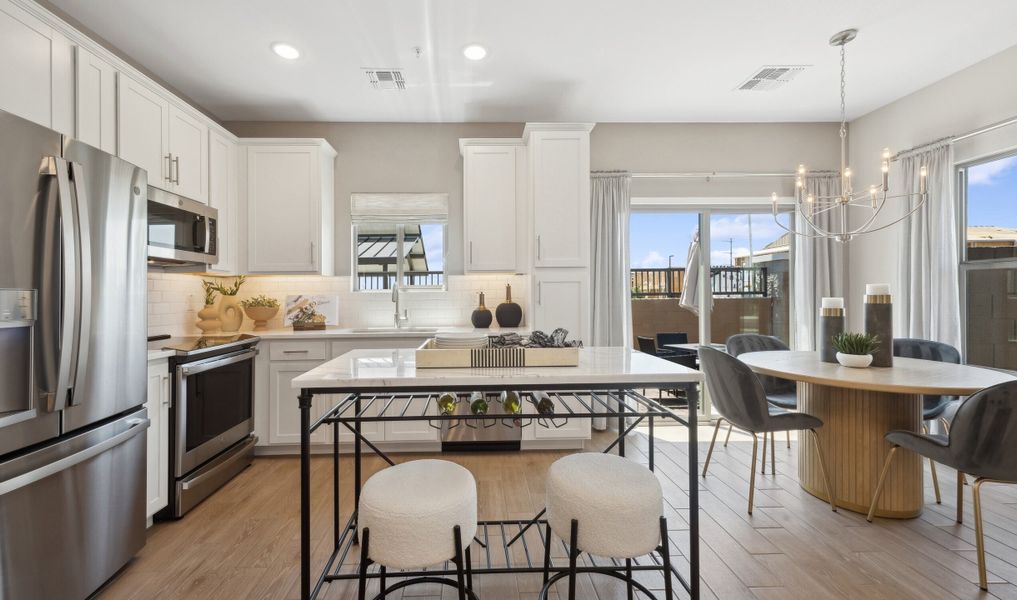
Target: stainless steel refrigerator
73,360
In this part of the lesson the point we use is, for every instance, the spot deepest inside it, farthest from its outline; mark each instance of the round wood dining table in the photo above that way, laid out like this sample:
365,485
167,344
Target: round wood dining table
858,407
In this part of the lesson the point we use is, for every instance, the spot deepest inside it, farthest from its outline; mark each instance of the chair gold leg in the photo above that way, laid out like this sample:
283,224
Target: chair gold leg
788,439
960,497
932,466
879,484
979,539
762,466
773,453
752,475
730,427
822,467
713,441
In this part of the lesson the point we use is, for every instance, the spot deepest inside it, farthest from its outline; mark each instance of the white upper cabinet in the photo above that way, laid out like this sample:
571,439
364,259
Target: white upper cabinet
143,130
560,188
289,192
95,101
222,195
163,139
562,299
490,201
188,149
37,70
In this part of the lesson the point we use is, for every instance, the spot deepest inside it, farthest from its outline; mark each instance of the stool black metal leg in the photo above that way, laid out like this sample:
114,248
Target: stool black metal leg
458,560
649,441
381,580
364,563
547,552
628,578
573,555
665,556
469,568
357,456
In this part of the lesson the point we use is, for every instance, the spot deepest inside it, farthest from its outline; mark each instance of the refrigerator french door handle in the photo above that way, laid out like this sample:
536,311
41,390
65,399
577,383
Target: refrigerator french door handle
15,483
84,316
57,400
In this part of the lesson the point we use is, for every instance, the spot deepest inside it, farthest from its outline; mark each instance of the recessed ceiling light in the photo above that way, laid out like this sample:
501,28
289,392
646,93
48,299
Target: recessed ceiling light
286,51
475,52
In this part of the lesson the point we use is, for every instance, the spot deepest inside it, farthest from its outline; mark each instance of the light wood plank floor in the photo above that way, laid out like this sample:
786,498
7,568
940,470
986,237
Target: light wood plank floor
244,541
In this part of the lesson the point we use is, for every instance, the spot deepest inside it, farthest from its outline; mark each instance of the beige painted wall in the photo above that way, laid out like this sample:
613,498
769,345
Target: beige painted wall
980,95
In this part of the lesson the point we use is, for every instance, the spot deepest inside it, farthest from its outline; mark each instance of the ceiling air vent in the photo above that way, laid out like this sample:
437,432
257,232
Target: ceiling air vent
385,79
771,77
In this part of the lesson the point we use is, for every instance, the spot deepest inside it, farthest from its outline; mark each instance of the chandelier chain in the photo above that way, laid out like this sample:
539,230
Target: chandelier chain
843,94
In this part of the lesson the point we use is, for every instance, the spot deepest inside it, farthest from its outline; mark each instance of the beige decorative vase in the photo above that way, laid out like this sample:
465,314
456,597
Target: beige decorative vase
208,319
261,315
231,313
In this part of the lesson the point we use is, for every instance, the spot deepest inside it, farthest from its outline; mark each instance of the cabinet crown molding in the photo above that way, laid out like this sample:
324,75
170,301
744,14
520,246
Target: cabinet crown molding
532,127
465,143
325,145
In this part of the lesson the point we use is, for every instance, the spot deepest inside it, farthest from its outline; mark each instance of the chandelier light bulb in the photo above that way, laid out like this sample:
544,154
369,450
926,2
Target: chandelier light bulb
886,154
801,169
810,198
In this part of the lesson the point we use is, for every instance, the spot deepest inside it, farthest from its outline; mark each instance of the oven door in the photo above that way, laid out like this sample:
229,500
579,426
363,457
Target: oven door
214,407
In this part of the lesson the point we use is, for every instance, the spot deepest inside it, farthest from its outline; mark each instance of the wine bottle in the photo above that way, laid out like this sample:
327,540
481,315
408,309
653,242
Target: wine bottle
478,403
545,405
447,402
510,402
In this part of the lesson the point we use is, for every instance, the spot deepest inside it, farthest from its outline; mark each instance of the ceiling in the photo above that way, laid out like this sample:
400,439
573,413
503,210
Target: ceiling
549,60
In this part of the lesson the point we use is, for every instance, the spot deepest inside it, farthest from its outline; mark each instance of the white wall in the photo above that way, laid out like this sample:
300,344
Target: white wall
980,95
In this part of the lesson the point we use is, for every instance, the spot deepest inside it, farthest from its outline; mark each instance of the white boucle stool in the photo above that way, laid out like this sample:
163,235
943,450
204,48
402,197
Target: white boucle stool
414,515
607,506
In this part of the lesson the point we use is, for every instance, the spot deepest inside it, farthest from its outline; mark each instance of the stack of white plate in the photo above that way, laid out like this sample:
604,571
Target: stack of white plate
460,341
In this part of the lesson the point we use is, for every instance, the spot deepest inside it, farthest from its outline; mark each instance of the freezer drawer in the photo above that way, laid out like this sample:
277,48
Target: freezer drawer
73,513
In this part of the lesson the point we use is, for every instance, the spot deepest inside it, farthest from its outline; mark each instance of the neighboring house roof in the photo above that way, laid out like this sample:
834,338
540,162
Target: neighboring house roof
982,234
377,247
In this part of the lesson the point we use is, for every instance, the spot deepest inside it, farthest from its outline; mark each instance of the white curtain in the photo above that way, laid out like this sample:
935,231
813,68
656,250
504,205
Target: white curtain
610,299
819,264
928,298
689,299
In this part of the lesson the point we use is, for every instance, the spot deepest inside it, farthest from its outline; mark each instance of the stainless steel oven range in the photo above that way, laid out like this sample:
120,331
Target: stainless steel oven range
212,420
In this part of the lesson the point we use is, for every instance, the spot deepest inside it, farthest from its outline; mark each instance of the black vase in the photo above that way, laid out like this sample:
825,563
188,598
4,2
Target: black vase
481,317
508,313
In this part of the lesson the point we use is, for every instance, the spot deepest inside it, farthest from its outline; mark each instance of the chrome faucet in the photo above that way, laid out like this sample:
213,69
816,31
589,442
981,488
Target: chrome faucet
401,319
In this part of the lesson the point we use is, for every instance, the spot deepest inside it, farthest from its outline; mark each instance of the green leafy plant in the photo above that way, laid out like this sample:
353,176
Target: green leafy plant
210,291
260,301
855,343
226,290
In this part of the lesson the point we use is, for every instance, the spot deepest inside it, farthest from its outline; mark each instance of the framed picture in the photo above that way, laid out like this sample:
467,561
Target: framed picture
324,305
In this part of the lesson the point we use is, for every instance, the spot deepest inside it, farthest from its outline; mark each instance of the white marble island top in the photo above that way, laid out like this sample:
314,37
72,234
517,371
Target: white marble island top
598,366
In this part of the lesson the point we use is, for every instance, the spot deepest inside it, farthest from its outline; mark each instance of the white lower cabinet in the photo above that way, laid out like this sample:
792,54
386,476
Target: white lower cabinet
284,411
158,405
559,429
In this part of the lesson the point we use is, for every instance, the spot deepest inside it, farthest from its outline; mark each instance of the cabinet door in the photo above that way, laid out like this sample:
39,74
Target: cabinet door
158,405
561,198
222,195
96,101
570,428
188,148
284,413
562,299
489,205
143,130
412,431
26,85
283,209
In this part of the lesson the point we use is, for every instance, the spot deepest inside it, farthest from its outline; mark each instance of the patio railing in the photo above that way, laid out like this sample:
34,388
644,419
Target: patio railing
725,280
384,281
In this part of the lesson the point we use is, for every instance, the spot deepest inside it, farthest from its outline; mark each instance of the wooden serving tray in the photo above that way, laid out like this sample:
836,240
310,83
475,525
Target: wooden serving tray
429,357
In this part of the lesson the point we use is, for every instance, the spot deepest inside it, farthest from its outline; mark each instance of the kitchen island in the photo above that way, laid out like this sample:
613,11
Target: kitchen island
604,384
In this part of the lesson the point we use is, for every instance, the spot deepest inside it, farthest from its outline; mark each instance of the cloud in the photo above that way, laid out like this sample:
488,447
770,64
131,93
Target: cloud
656,260
723,257
988,173
764,229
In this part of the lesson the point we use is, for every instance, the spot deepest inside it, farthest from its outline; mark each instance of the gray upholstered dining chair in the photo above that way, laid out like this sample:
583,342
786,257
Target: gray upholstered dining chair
982,443
933,407
779,392
739,397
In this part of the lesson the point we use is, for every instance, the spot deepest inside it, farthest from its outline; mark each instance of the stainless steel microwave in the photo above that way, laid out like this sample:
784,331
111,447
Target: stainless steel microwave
181,232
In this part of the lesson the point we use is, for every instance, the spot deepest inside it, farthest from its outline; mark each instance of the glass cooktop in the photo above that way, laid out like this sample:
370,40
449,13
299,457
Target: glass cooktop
186,346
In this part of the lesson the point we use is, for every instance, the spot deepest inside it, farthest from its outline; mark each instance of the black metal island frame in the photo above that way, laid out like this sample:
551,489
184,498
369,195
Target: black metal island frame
378,386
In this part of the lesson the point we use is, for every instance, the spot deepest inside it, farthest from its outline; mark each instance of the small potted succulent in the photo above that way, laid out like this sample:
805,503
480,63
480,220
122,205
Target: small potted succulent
230,313
208,317
260,309
855,349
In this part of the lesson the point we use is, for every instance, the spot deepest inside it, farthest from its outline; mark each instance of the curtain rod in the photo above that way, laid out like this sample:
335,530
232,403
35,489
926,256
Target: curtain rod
709,174
986,129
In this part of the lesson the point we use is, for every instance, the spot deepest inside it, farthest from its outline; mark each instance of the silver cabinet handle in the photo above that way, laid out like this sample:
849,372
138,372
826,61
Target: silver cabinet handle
167,398
471,252
169,169
313,262
540,293
295,351
538,246
176,164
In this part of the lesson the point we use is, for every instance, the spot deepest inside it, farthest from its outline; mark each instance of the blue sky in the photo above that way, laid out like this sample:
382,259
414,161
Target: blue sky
992,193
654,236
434,245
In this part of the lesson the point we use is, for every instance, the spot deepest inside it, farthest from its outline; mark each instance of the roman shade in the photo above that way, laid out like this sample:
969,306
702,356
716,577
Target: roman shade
399,208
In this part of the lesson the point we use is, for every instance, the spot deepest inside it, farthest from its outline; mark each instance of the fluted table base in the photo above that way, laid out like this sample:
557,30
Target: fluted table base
854,423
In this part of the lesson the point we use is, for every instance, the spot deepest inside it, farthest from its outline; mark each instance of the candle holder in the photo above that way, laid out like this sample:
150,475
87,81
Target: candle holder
879,322
831,324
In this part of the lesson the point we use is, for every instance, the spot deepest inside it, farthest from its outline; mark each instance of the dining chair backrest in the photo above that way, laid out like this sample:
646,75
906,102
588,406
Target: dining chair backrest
928,350
735,391
753,342
663,339
983,436
646,344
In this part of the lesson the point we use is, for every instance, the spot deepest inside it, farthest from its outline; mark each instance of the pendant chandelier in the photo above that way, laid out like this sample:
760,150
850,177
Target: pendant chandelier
808,206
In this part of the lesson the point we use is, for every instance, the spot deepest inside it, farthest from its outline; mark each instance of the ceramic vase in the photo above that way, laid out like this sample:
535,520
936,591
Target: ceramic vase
261,315
831,324
208,319
508,313
481,317
231,313
879,322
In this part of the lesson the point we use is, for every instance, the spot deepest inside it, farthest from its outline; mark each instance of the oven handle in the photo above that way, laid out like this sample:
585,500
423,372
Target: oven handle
229,359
